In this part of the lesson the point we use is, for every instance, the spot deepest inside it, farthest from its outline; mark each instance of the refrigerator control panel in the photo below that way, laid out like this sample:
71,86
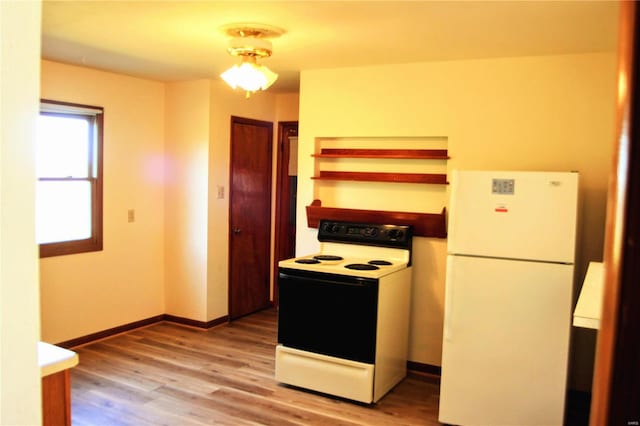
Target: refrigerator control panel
502,186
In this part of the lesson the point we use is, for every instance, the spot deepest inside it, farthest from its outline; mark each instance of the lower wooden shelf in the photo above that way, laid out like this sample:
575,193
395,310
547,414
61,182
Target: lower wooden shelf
432,225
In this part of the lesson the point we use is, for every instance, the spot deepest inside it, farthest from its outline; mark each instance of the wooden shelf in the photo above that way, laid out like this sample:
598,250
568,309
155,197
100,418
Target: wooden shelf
432,225
419,154
431,178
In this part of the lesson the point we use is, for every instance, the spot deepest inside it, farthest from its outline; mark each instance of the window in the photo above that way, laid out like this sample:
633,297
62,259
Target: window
69,172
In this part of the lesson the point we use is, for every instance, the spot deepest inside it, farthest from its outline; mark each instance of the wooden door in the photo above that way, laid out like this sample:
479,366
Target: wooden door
285,226
249,216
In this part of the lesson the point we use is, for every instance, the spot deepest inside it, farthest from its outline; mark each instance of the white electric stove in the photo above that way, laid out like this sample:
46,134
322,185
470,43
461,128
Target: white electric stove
343,315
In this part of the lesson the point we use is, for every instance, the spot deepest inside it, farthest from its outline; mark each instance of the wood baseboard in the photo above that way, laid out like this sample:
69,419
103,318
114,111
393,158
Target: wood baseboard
194,323
433,370
89,338
109,332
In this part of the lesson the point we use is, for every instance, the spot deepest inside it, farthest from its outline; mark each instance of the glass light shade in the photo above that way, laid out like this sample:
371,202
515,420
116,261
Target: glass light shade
249,76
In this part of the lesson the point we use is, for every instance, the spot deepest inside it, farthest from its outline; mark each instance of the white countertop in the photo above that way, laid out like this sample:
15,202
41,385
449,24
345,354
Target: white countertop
589,307
53,359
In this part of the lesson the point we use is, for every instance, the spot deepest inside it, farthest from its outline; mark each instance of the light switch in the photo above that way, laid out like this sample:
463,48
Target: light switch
131,215
220,192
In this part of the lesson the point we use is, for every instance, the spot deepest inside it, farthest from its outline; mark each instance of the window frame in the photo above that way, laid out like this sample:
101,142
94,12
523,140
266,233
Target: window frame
96,117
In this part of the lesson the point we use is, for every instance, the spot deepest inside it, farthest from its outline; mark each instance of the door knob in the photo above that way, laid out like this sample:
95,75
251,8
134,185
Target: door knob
236,230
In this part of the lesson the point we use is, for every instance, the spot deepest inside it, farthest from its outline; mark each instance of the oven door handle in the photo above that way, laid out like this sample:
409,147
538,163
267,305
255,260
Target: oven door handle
349,280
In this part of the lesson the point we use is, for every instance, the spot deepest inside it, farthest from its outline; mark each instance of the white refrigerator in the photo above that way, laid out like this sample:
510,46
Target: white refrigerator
508,296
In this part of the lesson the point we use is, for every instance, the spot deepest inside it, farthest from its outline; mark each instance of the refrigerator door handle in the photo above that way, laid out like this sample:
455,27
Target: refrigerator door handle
448,307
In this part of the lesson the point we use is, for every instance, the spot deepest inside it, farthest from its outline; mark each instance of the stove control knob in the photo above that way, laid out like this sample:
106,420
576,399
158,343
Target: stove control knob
329,227
370,232
395,234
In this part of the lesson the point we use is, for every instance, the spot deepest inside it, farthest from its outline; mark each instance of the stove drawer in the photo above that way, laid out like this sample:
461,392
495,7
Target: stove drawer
335,376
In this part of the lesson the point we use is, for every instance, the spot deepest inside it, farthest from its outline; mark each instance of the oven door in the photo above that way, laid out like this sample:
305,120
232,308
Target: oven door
328,314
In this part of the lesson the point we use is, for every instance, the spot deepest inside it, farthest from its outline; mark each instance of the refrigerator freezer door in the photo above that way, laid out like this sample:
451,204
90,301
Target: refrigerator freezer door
506,341
517,215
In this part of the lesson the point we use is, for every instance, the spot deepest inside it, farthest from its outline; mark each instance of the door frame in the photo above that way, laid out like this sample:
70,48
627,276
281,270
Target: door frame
616,381
285,130
242,120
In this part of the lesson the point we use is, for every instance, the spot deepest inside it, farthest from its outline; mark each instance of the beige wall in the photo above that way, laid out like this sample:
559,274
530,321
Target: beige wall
166,153
19,309
85,293
533,113
187,171
287,106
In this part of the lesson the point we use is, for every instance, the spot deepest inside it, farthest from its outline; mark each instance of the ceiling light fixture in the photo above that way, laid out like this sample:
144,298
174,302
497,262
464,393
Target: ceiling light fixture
249,41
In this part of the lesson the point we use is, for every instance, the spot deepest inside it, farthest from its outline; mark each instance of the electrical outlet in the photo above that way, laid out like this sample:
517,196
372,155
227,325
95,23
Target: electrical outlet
131,215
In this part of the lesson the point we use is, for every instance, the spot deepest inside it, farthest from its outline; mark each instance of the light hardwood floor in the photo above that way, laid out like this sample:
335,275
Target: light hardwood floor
167,374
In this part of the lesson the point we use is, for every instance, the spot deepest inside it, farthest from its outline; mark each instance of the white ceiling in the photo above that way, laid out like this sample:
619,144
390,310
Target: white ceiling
182,40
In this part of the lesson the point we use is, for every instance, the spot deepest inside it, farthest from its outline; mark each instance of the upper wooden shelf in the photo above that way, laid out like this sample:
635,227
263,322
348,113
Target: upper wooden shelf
420,154
383,177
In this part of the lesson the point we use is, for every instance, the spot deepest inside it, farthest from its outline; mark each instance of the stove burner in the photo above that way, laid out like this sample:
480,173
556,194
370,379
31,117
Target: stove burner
307,261
327,257
380,262
361,267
